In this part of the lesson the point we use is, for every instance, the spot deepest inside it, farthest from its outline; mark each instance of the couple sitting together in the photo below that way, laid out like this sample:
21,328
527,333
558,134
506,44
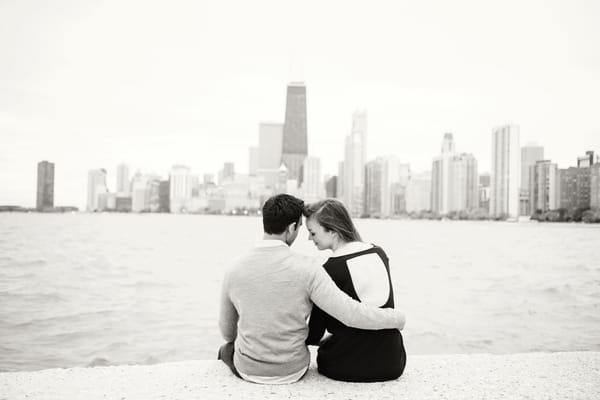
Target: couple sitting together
269,293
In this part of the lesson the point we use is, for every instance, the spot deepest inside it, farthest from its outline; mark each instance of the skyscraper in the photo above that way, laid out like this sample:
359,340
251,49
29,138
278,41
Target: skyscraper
574,187
180,188
355,157
595,185
123,184
373,188
506,172
253,160
440,176
331,187
96,187
484,191
463,193
339,190
418,192
530,154
312,185
227,174
295,142
270,145
385,179
45,185
587,160
542,181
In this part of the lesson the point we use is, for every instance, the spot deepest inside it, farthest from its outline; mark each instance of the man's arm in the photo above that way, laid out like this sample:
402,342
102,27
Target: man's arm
325,294
228,316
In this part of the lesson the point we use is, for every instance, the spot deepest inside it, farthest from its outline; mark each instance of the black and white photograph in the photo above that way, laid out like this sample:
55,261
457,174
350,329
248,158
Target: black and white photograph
299,200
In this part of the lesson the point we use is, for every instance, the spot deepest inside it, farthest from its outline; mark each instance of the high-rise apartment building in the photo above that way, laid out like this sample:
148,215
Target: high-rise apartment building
227,174
96,186
270,145
543,193
163,196
484,191
253,160
418,192
587,160
312,183
440,176
530,154
506,172
355,156
386,178
331,185
295,142
373,188
454,185
574,187
123,183
340,181
463,187
45,185
140,194
180,188
595,186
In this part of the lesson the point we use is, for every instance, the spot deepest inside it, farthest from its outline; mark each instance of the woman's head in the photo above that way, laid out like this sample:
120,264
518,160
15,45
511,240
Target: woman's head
329,224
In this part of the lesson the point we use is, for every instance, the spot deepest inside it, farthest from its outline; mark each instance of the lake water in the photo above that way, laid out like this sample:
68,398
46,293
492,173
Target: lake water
107,289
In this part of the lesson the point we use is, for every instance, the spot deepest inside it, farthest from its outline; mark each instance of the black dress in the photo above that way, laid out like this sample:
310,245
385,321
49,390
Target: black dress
350,354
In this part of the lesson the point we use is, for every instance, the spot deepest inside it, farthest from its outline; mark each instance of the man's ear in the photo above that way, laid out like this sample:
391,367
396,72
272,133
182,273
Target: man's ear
291,228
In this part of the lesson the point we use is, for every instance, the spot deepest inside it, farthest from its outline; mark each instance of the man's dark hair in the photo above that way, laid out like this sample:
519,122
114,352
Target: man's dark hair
280,211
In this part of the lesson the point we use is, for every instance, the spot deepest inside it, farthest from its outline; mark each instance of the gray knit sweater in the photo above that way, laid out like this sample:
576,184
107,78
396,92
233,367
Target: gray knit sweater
266,299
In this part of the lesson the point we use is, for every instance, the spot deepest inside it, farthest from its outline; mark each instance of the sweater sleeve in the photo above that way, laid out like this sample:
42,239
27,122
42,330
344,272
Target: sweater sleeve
333,301
228,315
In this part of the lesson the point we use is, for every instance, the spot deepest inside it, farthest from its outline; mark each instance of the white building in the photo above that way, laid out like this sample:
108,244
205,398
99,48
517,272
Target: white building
418,192
506,172
440,176
253,160
530,154
355,157
96,186
180,188
312,183
339,190
123,186
242,193
270,142
454,180
463,190
385,181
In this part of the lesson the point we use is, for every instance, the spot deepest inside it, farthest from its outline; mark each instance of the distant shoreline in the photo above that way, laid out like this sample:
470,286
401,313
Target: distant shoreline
587,216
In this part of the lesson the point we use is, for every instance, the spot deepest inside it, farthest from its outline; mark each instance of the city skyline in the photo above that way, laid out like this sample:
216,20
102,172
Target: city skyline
84,97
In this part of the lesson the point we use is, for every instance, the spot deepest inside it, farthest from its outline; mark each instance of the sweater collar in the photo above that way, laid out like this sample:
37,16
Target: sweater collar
269,243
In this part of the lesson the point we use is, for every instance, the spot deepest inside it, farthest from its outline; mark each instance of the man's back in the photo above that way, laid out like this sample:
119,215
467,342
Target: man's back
269,289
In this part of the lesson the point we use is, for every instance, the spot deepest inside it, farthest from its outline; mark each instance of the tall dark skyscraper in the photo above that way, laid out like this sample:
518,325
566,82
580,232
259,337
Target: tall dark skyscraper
295,142
45,185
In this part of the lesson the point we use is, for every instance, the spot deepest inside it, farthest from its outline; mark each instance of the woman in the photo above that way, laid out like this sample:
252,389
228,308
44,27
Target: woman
361,270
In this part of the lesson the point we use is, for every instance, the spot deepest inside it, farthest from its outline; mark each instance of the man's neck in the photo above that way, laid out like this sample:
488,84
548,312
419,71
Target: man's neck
269,236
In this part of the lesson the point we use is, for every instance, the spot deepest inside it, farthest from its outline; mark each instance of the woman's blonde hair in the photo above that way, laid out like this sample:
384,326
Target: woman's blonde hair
333,216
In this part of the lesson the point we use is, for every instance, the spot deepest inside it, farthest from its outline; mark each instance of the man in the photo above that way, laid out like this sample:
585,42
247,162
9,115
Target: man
267,297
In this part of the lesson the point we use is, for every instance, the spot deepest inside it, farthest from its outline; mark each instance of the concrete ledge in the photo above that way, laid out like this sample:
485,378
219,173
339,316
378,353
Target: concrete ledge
574,375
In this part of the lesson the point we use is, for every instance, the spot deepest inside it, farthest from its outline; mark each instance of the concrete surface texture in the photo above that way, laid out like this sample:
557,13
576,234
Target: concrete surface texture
572,375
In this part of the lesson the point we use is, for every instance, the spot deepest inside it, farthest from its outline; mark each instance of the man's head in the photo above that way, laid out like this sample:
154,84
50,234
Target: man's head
282,216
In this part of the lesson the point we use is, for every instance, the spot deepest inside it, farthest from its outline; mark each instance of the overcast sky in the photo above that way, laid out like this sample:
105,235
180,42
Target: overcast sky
88,84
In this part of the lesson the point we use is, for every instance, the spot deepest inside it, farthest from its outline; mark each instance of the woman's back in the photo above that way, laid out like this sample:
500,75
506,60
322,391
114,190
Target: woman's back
355,354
